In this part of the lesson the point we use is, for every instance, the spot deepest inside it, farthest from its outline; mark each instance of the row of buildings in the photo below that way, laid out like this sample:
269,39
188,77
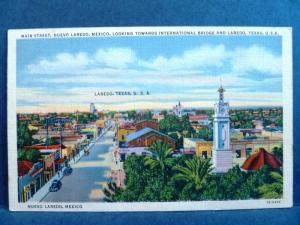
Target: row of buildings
56,148
229,146
136,137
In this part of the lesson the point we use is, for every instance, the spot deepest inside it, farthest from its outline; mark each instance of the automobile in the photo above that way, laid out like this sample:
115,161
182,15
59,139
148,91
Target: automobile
68,171
55,186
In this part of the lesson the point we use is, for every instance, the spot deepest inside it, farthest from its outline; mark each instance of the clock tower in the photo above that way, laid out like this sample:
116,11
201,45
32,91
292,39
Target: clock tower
222,154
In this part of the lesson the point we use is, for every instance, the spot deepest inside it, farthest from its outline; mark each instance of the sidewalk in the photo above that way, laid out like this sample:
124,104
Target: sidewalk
43,191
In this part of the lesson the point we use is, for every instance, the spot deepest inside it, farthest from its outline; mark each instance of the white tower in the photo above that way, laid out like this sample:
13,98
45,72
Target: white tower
222,154
92,108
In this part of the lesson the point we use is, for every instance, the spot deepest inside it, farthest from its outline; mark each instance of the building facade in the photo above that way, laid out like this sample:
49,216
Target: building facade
122,132
147,136
241,149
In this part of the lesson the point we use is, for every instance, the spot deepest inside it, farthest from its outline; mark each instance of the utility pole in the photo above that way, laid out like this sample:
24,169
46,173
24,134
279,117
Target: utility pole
60,139
47,141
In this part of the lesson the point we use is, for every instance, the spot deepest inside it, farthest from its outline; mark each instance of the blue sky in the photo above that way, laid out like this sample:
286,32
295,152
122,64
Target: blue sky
64,74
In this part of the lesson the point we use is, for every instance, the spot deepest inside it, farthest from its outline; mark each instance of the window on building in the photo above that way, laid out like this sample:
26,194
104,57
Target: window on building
248,151
123,138
238,153
204,154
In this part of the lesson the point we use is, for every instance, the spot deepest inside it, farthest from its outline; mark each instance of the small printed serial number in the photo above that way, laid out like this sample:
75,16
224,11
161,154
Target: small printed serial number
273,202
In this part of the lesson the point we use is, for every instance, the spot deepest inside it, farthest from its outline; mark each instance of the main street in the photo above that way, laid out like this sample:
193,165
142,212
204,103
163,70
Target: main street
85,184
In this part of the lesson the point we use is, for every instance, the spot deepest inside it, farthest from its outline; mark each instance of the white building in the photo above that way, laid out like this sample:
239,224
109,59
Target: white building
190,143
92,108
222,154
177,109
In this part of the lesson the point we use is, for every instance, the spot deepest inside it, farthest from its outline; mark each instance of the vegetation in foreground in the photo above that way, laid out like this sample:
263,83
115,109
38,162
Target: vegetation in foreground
162,177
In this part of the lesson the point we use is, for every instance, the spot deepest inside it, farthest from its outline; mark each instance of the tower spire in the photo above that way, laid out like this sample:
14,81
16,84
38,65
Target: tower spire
221,91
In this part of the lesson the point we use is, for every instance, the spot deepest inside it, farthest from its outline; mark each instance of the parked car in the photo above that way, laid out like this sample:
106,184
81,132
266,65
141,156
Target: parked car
68,171
55,186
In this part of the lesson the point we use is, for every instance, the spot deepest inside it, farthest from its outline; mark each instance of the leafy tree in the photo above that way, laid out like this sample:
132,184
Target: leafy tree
24,135
22,154
278,122
164,112
138,177
110,191
277,151
32,155
229,184
178,139
205,133
194,174
185,126
148,115
157,190
161,157
169,124
274,189
131,114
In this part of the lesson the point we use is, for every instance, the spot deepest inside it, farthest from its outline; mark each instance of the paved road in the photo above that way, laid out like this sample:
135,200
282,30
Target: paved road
85,184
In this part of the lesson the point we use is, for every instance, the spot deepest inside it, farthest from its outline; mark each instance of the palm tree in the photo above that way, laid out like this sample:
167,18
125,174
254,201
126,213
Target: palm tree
194,173
161,157
109,191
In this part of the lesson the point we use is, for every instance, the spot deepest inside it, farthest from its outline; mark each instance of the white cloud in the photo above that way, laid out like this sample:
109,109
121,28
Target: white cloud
61,63
198,57
240,61
255,58
115,57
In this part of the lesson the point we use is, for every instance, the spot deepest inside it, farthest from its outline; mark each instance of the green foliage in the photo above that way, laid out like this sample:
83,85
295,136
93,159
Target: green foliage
32,155
110,191
194,173
86,118
163,178
242,118
278,122
278,153
205,133
178,139
131,114
176,128
169,124
273,189
161,157
24,135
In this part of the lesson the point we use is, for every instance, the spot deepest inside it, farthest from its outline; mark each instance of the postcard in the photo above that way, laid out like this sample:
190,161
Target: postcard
150,118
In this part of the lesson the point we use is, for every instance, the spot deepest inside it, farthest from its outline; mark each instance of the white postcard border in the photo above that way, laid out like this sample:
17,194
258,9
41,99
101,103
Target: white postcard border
286,201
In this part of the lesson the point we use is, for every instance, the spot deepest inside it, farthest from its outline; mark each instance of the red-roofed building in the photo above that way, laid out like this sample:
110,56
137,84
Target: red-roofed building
43,147
257,160
146,123
127,125
197,121
24,167
198,117
30,179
